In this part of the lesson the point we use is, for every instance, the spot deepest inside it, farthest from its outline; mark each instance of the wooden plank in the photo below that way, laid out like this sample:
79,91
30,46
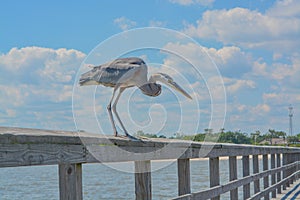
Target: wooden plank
12,155
70,181
21,147
86,147
221,189
143,189
292,159
266,191
255,171
184,182
266,178
233,176
246,172
278,164
284,173
214,174
273,176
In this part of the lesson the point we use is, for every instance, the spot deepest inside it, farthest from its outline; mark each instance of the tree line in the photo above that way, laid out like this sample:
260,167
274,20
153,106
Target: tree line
272,137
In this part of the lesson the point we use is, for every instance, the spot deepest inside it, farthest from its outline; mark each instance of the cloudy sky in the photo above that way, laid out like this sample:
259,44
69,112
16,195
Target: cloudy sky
254,44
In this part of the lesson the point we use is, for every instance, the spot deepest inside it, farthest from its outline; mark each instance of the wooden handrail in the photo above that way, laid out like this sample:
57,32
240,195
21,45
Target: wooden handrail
221,189
69,150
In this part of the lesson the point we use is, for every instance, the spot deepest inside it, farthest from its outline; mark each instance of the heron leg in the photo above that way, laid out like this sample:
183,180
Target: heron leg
114,108
110,114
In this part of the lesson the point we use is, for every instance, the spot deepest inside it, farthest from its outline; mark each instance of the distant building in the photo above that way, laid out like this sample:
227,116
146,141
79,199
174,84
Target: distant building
275,141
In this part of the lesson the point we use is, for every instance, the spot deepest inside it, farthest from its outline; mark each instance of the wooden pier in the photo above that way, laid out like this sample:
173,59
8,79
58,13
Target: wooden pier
69,150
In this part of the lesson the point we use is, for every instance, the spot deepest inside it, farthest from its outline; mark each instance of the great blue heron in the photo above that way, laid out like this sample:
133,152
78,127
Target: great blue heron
123,73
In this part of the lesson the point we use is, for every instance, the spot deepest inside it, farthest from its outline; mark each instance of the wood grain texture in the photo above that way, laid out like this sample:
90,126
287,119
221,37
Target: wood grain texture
246,172
266,178
19,147
70,181
214,174
233,175
255,171
25,147
184,180
143,188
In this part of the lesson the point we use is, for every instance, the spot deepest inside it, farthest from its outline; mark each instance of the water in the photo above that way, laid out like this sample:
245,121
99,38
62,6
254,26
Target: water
103,182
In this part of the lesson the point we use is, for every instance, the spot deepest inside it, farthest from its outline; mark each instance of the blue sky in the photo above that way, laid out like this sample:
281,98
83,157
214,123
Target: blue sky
255,45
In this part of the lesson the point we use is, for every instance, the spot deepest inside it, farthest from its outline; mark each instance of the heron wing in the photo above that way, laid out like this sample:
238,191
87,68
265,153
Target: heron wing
118,71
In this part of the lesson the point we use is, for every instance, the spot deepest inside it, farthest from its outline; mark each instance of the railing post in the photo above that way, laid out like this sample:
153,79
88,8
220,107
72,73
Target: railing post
273,176
70,181
293,159
143,180
279,173
184,182
285,174
233,175
246,172
266,179
255,171
214,174
290,170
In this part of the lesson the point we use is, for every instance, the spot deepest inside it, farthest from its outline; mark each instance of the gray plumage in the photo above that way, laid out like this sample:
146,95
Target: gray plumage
109,74
123,73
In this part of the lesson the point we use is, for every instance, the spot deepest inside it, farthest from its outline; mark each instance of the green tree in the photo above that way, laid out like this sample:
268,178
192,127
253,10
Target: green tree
255,137
234,137
199,137
141,133
292,139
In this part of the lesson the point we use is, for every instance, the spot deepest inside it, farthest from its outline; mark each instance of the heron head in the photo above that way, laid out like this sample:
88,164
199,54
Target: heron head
89,77
151,89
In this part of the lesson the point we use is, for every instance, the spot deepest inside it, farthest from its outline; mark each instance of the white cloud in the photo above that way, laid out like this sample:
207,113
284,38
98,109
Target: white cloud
43,65
12,95
285,8
235,85
155,23
231,61
261,109
247,28
193,2
37,81
286,73
124,23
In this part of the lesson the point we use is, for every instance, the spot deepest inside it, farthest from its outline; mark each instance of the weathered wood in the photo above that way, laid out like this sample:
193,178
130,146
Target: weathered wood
255,171
25,147
70,181
290,171
233,176
21,147
214,174
266,191
273,176
278,164
284,173
184,182
246,172
266,178
143,189
221,189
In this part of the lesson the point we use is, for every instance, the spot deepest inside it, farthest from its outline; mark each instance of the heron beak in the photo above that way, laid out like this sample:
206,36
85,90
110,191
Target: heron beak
178,88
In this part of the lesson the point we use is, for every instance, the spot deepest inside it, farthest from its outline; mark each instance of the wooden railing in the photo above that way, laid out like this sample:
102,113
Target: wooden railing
69,150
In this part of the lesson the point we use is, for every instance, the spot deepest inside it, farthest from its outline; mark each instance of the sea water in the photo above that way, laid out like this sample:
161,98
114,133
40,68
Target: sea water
101,181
